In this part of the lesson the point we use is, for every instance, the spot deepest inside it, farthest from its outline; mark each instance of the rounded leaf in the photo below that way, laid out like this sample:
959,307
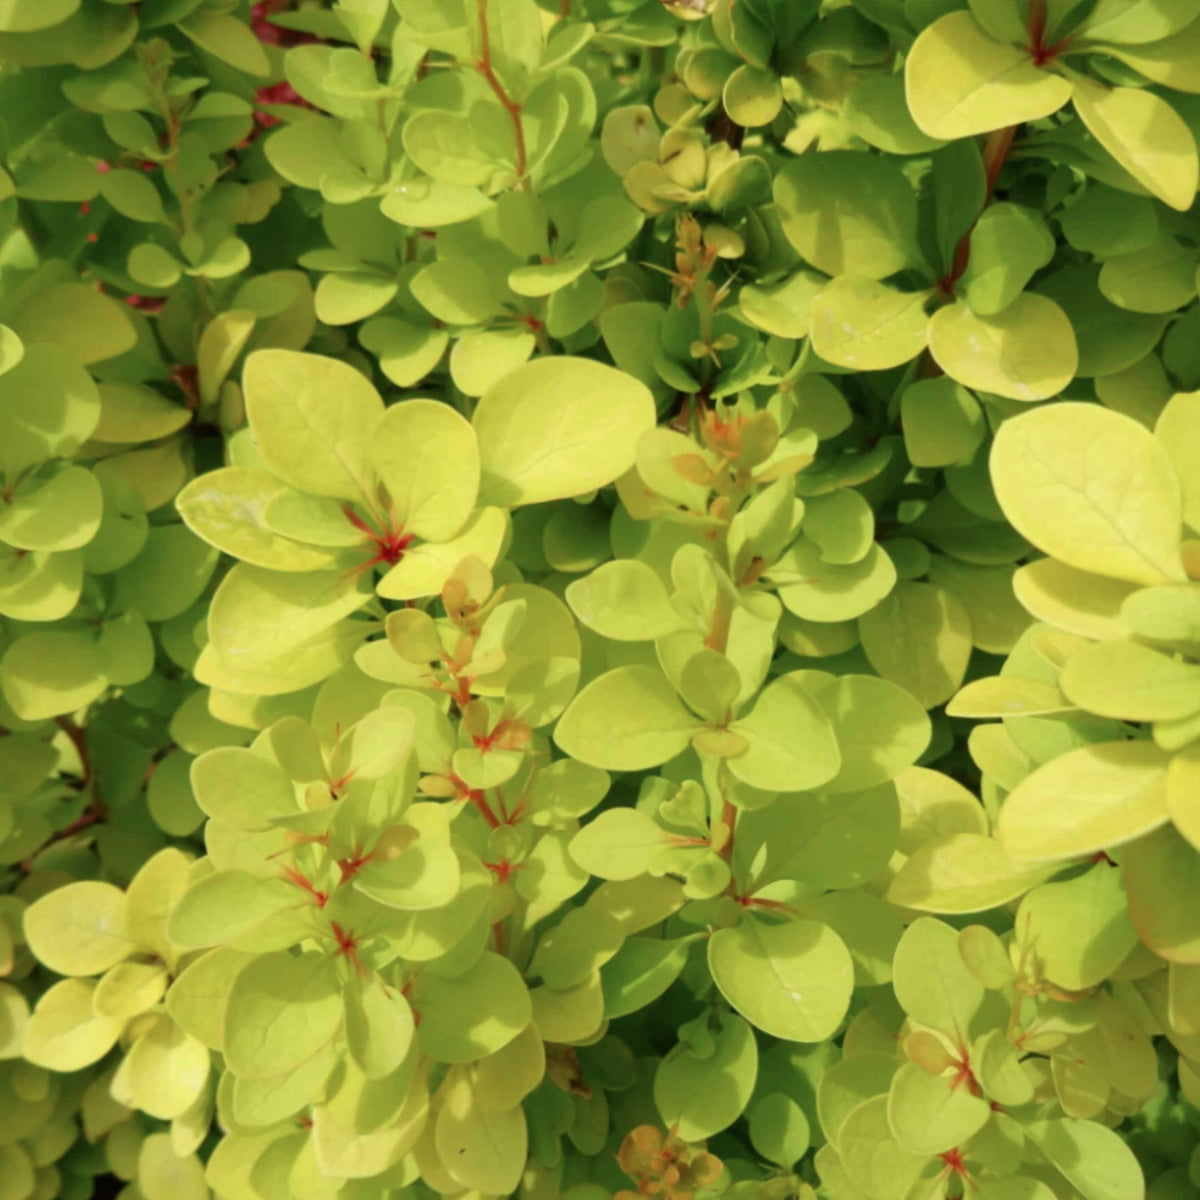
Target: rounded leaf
79,929
960,82
1025,352
793,981
1092,488
558,427
1089,799
426,455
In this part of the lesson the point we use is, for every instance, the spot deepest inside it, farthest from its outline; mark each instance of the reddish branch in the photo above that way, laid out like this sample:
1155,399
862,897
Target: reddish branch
995,152
484,67
96,811
78,740
1037,48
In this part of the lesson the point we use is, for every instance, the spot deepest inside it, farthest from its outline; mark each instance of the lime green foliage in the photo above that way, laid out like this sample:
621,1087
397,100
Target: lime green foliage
599,598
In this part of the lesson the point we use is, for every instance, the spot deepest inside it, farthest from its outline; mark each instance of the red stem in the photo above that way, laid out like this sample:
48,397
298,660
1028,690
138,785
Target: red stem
484,67
999,144
1037,24
78,740
477,798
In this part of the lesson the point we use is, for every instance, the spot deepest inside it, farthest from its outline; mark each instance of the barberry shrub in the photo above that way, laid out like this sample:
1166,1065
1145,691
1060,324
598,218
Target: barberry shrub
599,598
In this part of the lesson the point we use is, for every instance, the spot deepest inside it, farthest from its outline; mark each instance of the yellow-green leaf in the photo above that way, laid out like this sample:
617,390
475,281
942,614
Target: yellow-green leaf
1092,488
1026,352
1088,799
960,82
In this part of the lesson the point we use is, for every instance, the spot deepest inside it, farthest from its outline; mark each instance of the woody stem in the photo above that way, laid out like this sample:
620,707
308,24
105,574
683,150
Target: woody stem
484,67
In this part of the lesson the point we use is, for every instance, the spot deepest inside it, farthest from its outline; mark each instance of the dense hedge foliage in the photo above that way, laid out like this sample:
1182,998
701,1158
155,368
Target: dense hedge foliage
599,597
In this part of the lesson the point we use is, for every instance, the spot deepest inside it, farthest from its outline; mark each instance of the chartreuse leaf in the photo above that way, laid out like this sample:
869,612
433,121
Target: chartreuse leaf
875,1162
848,214
82,324
1076,601
1178,429
228,509
880,729
46,674
1094,1160
258,616
619,844
582,942
558,427
228,39
313,420
791,742
165,1175
379,1027
919,637
426,456
961,82
164,1072
282,1010
481,1148
998,1069
1130,682
704,1089
859,323
49,406
943,422
234,906
826,841
1086,800
471,1015
1162,877
929,1114
779,1130
1093,489
962,873
845,1084
624,600
1008,696
1183,779
58,513
242,787
504,1079
24,16
640,972
64,1032
626,720
1008,244
129,988
816,590
1025,352
932,982
1078,930
792,981
876,111
79,929
1145,135
1112,21
196,1000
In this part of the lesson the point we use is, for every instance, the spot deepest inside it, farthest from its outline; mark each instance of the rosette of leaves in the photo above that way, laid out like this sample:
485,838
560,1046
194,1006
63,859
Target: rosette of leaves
1109,651
682,168
986,1084
315,504
385,1026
